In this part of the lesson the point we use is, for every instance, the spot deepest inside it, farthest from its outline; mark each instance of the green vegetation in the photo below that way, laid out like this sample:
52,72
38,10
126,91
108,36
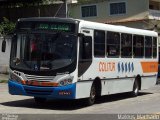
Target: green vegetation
6,27
3,81
25,3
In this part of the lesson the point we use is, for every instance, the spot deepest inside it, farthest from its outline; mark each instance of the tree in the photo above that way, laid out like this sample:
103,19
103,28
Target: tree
6,27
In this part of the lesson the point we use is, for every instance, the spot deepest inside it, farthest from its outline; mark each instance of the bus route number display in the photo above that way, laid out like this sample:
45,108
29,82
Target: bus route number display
58,27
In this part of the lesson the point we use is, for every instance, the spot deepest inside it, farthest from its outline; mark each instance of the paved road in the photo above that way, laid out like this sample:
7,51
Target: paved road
147,102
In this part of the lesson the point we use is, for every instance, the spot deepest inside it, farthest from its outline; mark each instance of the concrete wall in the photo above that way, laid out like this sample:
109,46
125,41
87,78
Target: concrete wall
135,9
5,56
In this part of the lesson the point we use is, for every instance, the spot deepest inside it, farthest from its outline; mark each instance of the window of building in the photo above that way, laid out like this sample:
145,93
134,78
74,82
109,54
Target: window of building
148,47
99,43
117,8
138,46
154,47
113,44
89,11
151,6
126,45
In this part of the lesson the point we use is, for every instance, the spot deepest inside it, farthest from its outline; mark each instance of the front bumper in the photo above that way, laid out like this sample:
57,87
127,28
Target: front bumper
62,92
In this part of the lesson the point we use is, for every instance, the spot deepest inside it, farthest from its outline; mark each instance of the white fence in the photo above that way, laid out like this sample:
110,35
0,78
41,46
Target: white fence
5,56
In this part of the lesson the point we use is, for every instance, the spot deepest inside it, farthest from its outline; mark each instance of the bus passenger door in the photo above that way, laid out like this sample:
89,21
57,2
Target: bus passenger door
85,52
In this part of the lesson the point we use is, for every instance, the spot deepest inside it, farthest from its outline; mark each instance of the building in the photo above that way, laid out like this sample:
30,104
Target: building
143,14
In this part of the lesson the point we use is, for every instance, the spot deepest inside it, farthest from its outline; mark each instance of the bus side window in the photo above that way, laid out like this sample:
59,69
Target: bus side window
87,47
99,43
138,46
3,46
113,44
85,54
154,47
126,45
148,47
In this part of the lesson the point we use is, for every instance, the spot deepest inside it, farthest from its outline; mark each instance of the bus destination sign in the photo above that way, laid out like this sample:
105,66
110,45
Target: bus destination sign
54,26
57,26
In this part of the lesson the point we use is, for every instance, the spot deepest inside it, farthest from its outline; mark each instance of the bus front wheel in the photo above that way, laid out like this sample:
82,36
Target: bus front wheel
92,97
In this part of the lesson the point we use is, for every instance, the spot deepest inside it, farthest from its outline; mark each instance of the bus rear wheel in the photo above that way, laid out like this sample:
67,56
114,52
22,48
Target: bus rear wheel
92,97
135,91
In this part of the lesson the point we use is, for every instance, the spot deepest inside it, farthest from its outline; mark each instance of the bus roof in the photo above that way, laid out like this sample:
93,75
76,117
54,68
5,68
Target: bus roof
94,25
49,19
116,28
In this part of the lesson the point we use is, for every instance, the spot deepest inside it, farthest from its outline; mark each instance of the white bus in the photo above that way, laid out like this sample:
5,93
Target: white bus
55,58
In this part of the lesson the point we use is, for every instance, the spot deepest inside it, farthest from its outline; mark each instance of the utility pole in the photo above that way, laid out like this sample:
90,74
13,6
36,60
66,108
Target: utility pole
66,6
66,2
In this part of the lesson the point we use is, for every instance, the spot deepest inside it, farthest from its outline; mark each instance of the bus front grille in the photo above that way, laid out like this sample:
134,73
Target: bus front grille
39,78
38,92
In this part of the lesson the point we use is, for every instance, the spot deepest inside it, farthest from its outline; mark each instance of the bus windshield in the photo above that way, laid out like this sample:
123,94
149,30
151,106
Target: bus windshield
43,51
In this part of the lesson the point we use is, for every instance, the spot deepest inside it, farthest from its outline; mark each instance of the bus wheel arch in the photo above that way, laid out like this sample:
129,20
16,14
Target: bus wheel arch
95,91
139,80
98,86
136,86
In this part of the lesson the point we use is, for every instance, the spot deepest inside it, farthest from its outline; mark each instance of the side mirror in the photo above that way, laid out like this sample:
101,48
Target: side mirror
80,35
3,46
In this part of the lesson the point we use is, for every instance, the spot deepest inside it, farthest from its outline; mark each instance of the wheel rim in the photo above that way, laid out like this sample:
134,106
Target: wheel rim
136,88
93,94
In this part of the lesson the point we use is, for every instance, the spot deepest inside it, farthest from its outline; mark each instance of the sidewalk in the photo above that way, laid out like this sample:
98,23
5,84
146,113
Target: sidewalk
3,78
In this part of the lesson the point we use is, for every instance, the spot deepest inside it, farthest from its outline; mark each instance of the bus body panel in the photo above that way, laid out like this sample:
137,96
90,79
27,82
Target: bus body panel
148,82
66,92
114,86
108,68
83,89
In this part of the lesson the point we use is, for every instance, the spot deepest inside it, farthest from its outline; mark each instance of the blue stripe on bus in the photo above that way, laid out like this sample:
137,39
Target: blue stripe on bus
62,92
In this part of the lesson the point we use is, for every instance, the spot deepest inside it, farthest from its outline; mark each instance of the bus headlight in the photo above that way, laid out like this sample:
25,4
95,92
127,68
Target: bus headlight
65,82
15,78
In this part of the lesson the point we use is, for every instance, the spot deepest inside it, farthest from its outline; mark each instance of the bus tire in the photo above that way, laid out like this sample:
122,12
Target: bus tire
91,100
136,88
39,100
